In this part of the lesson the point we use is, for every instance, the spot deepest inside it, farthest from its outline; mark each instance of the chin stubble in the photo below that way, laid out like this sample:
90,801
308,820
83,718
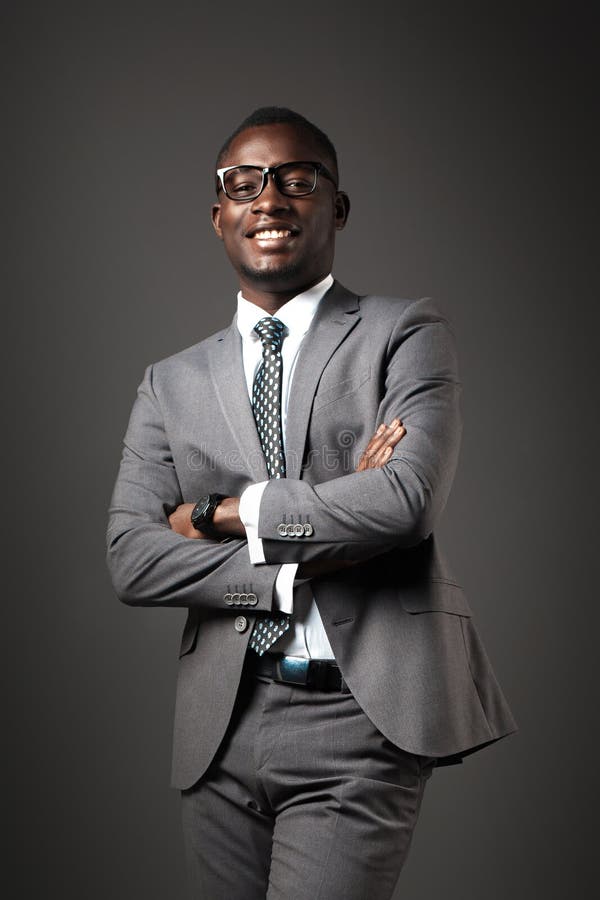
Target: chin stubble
289,270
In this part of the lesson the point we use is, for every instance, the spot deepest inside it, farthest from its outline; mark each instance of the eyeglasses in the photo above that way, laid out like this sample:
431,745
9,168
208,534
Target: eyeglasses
294,179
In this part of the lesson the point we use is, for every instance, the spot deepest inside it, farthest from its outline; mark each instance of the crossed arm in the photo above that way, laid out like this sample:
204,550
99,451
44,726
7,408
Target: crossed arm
394,499
227,522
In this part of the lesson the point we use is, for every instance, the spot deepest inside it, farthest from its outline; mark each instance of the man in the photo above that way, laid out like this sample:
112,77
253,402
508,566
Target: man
282,480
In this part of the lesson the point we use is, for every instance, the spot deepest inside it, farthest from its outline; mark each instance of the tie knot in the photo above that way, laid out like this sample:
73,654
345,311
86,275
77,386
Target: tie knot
271,332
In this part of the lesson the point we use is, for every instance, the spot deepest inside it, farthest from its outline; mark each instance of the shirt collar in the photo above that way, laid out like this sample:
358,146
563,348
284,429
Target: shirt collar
296,314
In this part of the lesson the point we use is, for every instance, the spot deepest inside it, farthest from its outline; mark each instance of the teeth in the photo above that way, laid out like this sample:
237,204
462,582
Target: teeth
270,235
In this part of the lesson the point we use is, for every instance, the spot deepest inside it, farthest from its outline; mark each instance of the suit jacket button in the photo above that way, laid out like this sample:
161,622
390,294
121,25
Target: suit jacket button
282,529
290,530
252,599
228,600
244,599
299,530
308,529
235,599
241,623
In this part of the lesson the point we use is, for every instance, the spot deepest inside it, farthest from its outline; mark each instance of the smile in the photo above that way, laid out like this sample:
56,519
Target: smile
272,235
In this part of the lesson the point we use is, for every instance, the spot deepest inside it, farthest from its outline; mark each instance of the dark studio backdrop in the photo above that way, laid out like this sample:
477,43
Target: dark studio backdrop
466,145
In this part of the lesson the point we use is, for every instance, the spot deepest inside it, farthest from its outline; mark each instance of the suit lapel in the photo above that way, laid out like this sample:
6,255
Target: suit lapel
336,316
227,374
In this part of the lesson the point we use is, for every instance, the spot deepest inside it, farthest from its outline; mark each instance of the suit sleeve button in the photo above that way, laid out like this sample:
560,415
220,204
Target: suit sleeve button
281,529
228,600
235,599
308,529
290,530
252,599
299,530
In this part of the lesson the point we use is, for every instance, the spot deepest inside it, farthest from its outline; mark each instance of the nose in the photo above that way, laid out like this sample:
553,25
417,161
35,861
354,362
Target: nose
270,200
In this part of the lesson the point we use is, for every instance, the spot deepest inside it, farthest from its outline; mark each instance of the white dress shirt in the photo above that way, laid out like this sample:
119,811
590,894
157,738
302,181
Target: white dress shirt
306,636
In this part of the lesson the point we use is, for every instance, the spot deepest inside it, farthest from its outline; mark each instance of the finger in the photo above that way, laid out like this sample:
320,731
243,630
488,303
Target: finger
396,436
382,457
365,460
381,436
385,435
376,459
390,435
376,439
392,440
373,462
375,445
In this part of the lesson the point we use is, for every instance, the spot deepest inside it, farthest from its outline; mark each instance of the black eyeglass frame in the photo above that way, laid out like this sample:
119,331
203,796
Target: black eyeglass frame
265,171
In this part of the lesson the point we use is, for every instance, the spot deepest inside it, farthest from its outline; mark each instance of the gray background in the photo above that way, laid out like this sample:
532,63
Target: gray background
465,140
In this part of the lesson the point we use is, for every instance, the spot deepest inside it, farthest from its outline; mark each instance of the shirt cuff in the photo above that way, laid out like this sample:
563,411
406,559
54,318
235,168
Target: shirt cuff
284,588
248,512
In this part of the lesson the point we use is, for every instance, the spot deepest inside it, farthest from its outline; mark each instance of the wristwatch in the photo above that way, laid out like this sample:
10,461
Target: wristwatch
203,512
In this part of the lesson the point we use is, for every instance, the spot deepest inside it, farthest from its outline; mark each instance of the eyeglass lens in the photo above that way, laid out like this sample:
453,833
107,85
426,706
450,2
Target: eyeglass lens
293,179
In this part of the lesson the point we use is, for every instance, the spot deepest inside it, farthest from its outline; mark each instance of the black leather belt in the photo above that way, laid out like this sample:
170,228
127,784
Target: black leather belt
319,674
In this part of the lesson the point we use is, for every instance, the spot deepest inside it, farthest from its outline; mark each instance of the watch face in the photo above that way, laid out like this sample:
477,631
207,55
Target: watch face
200,511
202,507
204,511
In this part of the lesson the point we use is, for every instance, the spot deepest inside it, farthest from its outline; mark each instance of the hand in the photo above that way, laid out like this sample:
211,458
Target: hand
180,521
226,520
380,447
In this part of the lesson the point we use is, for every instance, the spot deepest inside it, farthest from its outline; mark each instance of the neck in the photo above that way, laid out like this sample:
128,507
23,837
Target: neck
272,300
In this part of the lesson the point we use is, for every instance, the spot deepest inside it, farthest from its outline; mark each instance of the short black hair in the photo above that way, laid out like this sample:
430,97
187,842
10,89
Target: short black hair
281,115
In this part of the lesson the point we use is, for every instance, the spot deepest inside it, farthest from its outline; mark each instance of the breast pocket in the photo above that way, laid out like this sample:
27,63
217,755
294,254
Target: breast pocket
324,397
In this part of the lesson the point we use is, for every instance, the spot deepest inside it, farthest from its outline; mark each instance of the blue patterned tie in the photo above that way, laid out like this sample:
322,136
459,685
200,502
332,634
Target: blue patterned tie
266,405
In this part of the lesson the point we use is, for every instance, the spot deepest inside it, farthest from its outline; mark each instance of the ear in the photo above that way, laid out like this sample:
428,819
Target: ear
216,219
342,209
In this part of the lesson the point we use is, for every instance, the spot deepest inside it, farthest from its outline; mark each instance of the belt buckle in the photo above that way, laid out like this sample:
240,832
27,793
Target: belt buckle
317,676
291,669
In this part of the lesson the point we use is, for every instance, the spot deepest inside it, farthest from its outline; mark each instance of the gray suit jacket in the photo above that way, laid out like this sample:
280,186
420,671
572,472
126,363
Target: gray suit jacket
399,623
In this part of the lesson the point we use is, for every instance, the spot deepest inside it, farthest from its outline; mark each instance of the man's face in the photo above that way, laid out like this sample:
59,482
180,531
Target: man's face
302,253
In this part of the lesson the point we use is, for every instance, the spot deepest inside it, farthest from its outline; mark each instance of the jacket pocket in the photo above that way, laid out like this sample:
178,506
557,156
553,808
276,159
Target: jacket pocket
436,595
341,389
188,638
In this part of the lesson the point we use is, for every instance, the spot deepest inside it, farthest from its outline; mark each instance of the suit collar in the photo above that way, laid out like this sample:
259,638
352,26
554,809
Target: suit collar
297,314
